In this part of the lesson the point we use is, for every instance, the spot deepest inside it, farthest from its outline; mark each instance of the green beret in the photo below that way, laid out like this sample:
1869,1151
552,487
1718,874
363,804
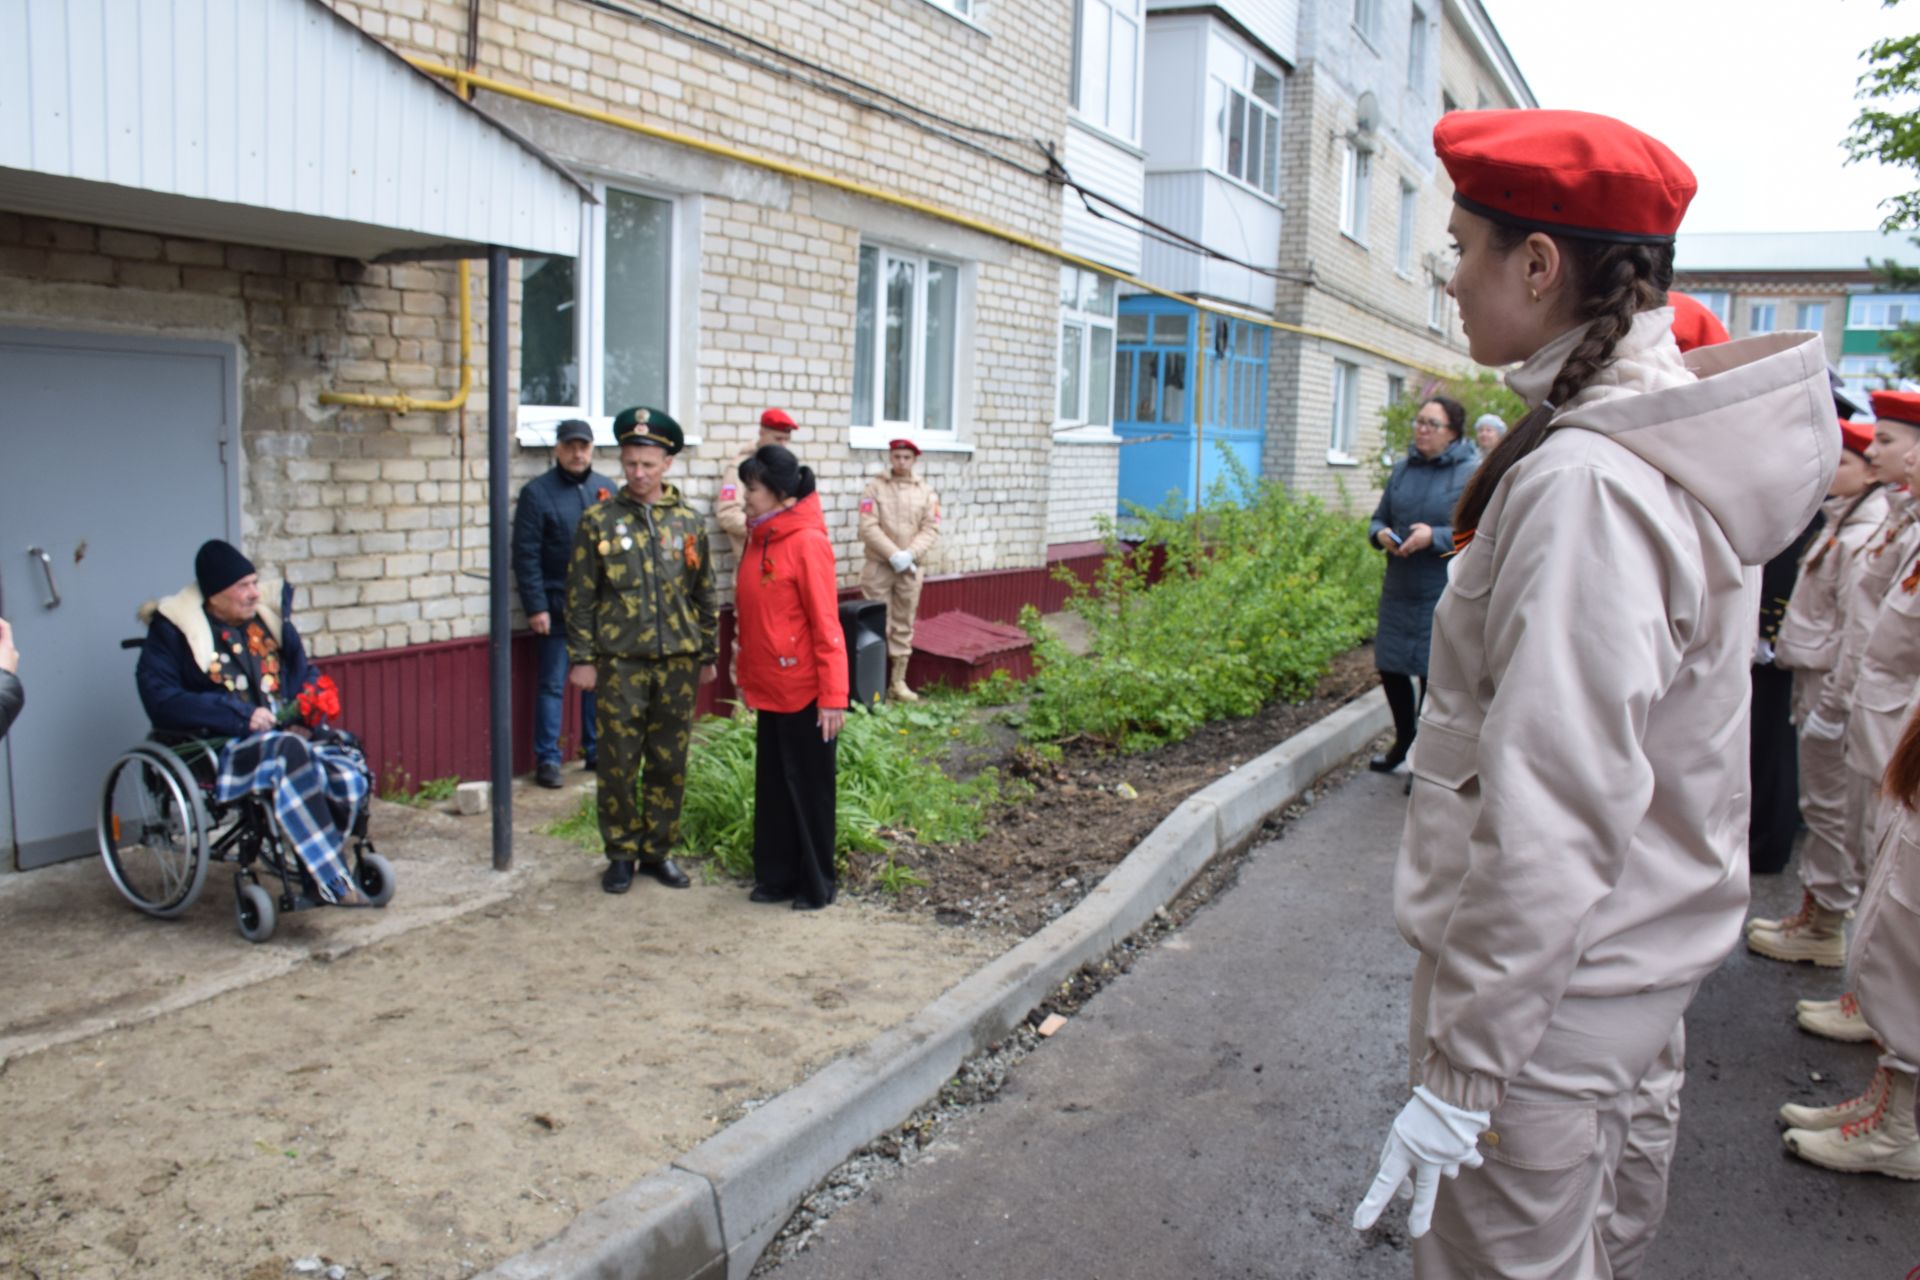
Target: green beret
641,425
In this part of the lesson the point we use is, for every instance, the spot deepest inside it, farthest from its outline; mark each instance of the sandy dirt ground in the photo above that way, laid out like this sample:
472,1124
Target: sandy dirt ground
418,1092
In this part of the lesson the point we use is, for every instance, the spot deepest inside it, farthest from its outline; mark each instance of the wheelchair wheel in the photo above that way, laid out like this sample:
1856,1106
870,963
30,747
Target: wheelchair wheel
253,906
373,876
153,831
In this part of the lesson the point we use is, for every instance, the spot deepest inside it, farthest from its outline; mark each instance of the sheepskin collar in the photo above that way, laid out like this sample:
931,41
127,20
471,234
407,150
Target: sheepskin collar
187,610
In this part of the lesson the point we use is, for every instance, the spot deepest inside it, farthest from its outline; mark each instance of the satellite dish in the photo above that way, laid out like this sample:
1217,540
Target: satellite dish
1367,113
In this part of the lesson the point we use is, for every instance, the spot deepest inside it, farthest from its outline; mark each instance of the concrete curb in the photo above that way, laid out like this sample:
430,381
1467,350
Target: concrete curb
712,1212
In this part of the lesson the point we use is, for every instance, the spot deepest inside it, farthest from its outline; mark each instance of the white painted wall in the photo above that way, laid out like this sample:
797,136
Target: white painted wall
1274,23
1115,171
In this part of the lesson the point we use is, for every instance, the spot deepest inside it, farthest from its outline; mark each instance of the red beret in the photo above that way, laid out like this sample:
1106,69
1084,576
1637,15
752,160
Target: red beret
903,444
777,420
1901,406
1694,325
1572,172
1856,436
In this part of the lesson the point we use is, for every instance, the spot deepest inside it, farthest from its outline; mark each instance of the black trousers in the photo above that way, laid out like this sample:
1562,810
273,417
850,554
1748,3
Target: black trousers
1775,773
793,796
1405,705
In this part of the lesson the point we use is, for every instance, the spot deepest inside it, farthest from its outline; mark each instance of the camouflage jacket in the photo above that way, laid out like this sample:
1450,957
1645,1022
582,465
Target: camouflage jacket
640,582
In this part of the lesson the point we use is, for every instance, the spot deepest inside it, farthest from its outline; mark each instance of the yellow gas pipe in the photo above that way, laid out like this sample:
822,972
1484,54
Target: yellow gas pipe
401,402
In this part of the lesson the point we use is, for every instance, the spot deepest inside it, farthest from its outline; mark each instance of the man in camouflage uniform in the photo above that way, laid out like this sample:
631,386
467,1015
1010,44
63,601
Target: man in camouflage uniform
642,633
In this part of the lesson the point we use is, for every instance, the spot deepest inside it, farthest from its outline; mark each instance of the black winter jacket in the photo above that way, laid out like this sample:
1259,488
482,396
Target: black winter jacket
549,511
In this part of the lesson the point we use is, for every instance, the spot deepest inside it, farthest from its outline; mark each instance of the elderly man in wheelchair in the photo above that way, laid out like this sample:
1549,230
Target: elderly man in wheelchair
242,765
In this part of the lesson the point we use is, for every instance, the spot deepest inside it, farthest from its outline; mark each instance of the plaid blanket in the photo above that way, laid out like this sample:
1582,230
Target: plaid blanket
317,791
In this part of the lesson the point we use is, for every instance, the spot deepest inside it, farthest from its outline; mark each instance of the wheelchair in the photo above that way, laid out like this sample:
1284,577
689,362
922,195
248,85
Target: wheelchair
160,827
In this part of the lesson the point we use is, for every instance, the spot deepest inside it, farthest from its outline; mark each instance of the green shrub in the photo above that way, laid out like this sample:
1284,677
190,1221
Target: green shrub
889,776
1258,592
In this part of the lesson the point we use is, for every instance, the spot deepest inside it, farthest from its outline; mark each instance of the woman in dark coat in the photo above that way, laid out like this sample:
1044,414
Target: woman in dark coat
1413,525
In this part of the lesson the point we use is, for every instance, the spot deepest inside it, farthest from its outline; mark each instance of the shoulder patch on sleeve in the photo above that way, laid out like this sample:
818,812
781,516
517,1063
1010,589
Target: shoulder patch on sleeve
866,506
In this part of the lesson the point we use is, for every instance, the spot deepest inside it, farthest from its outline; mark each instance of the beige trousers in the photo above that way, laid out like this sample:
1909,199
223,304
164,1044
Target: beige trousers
901,591
1829,868
1575,1176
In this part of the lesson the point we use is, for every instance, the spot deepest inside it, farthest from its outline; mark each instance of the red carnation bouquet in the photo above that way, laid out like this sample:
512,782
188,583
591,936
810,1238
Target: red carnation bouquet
315,704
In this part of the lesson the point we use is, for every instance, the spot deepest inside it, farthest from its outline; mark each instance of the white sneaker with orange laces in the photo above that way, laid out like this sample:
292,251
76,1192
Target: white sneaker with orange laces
1799,1117
1883,1141
1835,1019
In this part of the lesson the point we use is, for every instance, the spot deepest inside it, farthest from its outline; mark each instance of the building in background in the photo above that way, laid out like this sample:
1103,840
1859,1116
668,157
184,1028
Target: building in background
1825,281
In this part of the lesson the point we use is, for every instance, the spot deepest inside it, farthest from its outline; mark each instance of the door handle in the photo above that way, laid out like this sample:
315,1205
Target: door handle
46,567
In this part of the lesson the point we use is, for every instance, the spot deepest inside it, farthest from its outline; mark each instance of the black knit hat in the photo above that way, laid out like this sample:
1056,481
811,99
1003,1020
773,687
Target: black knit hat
217,566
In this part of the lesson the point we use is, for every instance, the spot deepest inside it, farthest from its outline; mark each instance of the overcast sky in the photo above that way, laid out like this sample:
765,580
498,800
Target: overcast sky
1755,95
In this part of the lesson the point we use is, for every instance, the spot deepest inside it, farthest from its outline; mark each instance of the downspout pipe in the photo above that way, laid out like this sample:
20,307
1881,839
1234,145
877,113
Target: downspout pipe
499,552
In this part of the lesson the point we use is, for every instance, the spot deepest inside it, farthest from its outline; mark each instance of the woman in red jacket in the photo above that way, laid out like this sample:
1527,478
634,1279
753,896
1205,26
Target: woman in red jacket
793,671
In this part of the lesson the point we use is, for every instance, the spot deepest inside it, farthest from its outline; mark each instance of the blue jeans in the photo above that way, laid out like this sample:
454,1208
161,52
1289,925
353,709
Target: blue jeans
548,698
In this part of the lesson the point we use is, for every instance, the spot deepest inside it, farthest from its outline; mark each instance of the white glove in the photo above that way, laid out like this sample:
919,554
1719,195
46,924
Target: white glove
1825,730
1429,1139
901,561
1763,654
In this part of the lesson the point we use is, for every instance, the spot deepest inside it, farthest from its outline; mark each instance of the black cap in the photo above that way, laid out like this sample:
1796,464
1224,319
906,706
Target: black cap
573,429
217,566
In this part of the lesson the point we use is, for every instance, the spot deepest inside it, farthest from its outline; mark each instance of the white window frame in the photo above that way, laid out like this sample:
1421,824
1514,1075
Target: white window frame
1718,301
1230,96
1437,301
876,434
1356,192
535,424
1770,311
1366,20
1416,48
1810,315
1344,435
1094,327
1094,22
965,10
1882,310
1409,211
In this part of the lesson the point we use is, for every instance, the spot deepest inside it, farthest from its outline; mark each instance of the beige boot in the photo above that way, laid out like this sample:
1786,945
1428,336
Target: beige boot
1818,1118
897,689
1799,917
1883,1141
1835,1019
1820,938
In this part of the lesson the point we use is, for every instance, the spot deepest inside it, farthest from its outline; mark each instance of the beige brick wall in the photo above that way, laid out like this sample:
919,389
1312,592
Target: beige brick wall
1086,477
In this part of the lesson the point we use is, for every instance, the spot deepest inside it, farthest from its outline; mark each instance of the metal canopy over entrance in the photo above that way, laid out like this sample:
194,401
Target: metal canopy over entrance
266,122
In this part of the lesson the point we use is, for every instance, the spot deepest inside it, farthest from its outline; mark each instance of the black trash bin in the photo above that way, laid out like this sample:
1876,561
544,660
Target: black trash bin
865,625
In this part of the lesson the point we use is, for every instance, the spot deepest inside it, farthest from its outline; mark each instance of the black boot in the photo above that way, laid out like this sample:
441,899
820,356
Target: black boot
619,875
1389,761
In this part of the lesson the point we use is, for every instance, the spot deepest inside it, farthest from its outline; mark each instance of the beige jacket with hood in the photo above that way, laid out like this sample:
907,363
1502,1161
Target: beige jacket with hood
1889,673
1863,593
1808,643
1579,814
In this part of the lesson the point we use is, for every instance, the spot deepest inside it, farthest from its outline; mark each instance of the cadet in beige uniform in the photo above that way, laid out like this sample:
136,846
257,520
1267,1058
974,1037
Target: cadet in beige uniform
1862,704
730,506
1875,1132
1574,858
899,524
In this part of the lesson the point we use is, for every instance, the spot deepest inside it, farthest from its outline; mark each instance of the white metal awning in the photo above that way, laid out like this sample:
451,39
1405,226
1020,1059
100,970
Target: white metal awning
269,122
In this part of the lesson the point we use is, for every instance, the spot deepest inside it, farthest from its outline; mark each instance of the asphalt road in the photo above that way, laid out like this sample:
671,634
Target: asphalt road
1217,1111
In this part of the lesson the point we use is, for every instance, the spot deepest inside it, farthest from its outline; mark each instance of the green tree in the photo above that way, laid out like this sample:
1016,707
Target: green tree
1888,130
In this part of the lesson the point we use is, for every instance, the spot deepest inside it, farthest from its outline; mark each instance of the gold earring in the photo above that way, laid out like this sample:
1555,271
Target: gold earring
1535,292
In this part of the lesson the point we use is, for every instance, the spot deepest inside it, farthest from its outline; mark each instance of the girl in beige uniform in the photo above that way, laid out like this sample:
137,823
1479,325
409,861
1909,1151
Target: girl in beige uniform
1875,1132
1574,860
899,524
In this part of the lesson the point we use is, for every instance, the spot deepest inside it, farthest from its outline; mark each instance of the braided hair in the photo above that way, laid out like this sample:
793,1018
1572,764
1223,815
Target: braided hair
1616,282
1833,538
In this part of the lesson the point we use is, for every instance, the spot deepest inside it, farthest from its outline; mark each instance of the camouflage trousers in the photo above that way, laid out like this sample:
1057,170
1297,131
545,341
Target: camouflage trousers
645,713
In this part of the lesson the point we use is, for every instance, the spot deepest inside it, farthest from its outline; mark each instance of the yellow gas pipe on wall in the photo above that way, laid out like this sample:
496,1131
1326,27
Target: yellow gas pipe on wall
401,402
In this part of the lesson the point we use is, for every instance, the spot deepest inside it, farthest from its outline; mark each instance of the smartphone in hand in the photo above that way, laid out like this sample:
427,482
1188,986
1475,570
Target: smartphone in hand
1397,539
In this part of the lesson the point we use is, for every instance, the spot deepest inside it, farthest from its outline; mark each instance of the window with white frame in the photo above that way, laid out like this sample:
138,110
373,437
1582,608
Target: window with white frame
1396,388
1346,412
1882,310
1811,315
1356,182
1762,317
1437,304
1243,99
905,341
1087,302
1409,207
596,335
1366,19
1717,301
962,7
1106,65
1416,47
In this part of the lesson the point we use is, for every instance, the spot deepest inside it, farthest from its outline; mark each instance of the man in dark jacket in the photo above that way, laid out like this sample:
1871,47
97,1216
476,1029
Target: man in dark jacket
550,508
12,696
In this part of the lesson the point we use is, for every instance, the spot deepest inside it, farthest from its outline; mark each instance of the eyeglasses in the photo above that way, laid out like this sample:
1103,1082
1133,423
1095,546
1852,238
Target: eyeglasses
1432,424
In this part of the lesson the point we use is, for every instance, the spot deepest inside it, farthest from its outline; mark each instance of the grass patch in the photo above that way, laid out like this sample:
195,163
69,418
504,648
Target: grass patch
397,786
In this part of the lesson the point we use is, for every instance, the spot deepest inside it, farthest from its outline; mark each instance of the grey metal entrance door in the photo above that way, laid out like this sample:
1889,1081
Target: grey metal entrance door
113,469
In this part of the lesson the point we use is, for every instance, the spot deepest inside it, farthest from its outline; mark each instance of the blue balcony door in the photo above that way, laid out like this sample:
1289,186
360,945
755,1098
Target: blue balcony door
1157,347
